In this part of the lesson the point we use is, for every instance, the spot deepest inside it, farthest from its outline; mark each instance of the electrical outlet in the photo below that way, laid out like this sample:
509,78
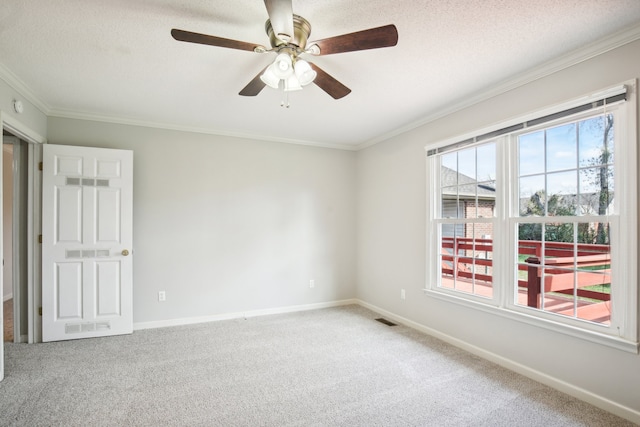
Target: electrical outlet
312,283
403,295
162,296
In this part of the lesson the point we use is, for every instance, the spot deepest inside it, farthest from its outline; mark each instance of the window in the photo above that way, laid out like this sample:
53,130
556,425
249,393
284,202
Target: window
539,219
467,200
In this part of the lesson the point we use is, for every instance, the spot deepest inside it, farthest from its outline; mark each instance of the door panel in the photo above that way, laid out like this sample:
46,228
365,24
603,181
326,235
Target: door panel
108,206
68,291
87,242
69,226
108,284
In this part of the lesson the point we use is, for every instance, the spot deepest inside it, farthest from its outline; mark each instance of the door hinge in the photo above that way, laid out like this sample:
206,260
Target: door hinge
40,311
40,238
40,166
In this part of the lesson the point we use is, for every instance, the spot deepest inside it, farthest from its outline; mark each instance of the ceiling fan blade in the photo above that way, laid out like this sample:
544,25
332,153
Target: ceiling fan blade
329,84
188,36
372,38
255,86
281,17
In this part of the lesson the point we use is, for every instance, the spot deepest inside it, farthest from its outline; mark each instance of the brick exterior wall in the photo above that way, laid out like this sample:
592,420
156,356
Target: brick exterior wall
485,210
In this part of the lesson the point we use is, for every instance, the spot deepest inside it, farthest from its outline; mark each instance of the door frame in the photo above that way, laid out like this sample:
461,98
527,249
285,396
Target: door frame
34,228
16,221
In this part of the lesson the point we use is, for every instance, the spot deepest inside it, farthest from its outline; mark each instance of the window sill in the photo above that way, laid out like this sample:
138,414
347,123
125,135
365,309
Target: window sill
594,337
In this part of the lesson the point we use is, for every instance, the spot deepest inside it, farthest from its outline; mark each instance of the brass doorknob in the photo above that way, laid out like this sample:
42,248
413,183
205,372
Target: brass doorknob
125,252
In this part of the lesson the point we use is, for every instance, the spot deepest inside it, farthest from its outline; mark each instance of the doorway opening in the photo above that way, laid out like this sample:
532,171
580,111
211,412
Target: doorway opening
14,181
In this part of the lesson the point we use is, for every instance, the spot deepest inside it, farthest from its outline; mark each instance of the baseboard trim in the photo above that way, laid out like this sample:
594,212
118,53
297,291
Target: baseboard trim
570,389
240,315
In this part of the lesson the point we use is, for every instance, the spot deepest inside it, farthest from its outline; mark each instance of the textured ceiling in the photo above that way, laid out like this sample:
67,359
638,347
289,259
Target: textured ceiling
116,60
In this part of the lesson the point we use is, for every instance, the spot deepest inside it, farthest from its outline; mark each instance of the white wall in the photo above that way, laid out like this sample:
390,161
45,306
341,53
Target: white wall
226,225
391,188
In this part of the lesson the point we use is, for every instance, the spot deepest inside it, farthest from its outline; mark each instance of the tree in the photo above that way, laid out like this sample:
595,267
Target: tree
541,205
602,175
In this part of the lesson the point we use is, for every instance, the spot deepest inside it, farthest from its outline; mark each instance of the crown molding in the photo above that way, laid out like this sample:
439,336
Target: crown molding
68,114
575,57
21,87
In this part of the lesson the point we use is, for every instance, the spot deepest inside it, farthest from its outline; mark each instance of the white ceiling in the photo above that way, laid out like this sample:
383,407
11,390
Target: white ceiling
115,60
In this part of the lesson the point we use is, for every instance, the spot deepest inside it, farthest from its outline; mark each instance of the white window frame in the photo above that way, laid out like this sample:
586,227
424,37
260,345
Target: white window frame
623,331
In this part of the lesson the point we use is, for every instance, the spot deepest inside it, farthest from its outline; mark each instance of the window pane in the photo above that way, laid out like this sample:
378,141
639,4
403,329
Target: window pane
561,148
529,254
530,236
467,163
466,259
450,207
596,190
595,233
562,188
593,133
449,253
567,273
487,163
559,232
458,182
450,161
531,153
562,183
468,191
532,196
470,209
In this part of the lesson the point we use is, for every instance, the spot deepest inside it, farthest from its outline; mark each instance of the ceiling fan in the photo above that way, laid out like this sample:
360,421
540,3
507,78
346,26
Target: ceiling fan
288,34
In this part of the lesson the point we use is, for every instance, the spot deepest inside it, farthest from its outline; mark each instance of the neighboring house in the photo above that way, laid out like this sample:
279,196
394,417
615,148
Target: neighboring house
459,201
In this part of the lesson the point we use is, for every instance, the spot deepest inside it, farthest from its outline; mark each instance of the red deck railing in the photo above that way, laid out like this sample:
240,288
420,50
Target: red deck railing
568,268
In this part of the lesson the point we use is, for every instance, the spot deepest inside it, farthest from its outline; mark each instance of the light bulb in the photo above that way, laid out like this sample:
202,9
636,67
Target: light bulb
283,66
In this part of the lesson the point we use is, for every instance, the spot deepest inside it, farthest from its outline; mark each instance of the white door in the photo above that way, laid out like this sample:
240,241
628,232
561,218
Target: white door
87,201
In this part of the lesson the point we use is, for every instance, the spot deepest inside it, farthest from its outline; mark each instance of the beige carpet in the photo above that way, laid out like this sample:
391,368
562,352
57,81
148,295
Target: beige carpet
7,307
331,367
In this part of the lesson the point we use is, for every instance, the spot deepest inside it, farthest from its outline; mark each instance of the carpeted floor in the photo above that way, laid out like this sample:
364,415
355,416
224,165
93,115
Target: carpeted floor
7,315
331,367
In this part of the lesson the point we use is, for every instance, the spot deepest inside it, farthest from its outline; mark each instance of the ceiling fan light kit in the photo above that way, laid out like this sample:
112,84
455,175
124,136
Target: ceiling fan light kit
269,78
288,36
304,72
293,75
292,84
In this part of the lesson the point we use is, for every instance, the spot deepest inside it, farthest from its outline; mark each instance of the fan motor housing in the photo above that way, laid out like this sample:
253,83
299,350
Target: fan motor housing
301,32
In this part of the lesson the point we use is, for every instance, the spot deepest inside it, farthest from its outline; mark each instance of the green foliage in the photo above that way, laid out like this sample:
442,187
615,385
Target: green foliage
541,205
600,173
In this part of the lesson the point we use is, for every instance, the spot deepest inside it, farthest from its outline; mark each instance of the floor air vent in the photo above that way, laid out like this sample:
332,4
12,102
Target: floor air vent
386,322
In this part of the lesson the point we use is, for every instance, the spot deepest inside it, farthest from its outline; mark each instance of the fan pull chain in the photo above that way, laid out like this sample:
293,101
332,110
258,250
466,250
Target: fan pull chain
285,100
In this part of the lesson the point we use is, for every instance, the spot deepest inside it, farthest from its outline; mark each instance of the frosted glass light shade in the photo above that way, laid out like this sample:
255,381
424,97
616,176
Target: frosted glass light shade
292,83
269,77
304,72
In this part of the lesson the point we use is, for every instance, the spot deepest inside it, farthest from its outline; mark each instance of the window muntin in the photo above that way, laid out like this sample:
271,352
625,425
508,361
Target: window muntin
581,202
466,220
566,172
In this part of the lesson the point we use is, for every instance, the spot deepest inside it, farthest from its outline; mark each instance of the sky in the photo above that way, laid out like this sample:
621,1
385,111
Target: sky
560,155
